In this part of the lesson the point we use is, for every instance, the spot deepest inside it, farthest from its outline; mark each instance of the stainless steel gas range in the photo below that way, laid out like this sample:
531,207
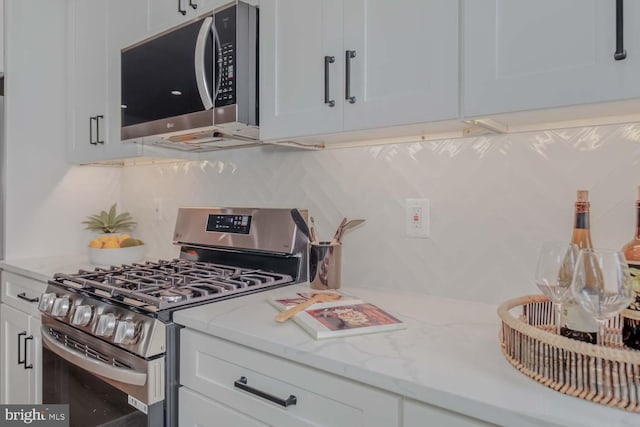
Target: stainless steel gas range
110,347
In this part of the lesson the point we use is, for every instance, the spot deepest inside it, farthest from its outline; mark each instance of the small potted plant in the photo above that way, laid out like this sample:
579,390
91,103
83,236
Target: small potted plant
113,246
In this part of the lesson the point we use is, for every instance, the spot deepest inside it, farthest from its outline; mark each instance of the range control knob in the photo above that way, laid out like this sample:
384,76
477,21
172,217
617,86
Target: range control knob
46,302
125,332
82,315
106,325
61,307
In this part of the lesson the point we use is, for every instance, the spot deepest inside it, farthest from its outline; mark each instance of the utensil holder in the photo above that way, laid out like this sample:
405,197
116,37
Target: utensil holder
325,265
606,374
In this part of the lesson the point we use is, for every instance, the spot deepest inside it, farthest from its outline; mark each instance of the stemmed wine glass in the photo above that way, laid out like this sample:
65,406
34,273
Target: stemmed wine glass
602,285
554,273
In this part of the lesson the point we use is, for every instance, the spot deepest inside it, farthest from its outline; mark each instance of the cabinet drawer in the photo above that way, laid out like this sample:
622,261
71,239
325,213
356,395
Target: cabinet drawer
198,411
215,367
418,414
21,292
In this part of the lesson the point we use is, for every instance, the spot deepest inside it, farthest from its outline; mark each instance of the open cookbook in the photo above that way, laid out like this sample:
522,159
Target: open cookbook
346,316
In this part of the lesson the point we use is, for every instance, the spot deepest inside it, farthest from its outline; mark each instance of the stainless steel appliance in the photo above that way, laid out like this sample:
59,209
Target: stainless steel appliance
194,87
110,347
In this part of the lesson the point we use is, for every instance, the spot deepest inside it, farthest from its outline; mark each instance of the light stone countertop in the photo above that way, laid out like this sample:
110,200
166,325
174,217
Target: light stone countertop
449,354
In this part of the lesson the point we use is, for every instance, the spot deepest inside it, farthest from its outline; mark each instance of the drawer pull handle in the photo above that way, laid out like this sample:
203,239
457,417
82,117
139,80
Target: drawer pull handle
242,384
349,54
27,366
23,295
327,96
620,53
180,9
21,361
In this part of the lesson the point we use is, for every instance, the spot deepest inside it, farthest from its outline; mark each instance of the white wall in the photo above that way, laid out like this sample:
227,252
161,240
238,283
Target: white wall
493,201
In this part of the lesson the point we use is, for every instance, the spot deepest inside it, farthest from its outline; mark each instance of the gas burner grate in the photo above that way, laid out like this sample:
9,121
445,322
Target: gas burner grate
161,285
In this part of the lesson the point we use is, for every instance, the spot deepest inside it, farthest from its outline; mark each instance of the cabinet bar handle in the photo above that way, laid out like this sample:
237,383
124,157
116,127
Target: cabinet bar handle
20,360
98,140
242,384
180,9
620,52
347,80
193,5
23,295
328,60
91,119
29,366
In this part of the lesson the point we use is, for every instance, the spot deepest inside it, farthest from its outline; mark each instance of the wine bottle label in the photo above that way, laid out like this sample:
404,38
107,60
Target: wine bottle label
582,220
633,311
576,318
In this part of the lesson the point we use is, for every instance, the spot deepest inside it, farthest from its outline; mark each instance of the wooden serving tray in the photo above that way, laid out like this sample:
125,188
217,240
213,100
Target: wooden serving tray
606,374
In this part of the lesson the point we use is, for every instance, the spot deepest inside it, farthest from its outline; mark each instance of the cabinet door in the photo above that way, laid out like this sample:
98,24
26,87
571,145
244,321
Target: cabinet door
521,55
87,79
258,384
20,337
164,14
405,68
198,411
295,38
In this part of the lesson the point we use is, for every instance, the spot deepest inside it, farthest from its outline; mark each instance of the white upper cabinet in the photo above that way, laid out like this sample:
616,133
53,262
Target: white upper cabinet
330,66
1,36
301,67
97,31
523,55
164,14
87,79
405,68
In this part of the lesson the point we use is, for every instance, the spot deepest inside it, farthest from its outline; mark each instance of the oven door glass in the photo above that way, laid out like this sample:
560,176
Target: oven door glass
103,384
92,402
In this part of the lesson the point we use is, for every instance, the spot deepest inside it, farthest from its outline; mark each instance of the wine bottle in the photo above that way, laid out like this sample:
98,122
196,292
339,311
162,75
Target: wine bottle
631,315
576,322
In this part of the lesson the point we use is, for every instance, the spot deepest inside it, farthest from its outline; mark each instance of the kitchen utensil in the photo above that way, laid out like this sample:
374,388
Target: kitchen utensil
347,226
314,236
324,297
300,222
338,231
325,265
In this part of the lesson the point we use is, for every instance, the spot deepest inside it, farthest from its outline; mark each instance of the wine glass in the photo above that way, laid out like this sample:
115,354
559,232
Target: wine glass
602,285
554,272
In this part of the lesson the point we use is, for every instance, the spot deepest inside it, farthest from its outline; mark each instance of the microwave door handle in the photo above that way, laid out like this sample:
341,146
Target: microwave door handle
201,75
122,375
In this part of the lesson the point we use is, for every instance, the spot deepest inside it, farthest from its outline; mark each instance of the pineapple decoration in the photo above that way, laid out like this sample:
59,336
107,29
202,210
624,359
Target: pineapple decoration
111,223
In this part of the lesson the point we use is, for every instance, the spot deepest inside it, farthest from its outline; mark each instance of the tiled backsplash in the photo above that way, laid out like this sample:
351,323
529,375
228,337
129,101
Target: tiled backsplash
494,199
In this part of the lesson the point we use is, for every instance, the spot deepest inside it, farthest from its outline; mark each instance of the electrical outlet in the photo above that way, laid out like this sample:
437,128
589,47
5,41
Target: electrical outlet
157,208
417,218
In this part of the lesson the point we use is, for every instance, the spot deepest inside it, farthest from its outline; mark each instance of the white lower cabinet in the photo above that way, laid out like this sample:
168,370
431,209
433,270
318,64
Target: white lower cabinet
251,388
198,411
20,348
418,414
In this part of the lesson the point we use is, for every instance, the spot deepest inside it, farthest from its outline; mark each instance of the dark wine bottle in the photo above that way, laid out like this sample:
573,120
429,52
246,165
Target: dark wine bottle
631,315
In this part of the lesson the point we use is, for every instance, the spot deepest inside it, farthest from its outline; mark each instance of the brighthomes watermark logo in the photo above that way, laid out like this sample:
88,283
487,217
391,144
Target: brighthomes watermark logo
34,415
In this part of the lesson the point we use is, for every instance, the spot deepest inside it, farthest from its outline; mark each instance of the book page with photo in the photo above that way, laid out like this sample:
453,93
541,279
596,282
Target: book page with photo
342,318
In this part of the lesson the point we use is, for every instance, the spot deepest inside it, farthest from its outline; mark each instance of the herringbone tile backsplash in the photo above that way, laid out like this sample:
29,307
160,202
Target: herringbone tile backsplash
494,199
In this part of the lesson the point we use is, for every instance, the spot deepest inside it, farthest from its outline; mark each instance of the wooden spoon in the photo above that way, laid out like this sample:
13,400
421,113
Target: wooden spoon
323,297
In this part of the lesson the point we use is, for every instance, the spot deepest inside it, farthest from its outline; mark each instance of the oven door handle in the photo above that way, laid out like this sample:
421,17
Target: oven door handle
122,375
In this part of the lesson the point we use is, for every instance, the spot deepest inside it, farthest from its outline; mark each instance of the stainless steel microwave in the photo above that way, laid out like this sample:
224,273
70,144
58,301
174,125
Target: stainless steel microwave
194,87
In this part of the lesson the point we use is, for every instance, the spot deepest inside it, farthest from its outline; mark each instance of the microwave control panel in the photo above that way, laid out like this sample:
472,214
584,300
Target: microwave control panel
225,28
